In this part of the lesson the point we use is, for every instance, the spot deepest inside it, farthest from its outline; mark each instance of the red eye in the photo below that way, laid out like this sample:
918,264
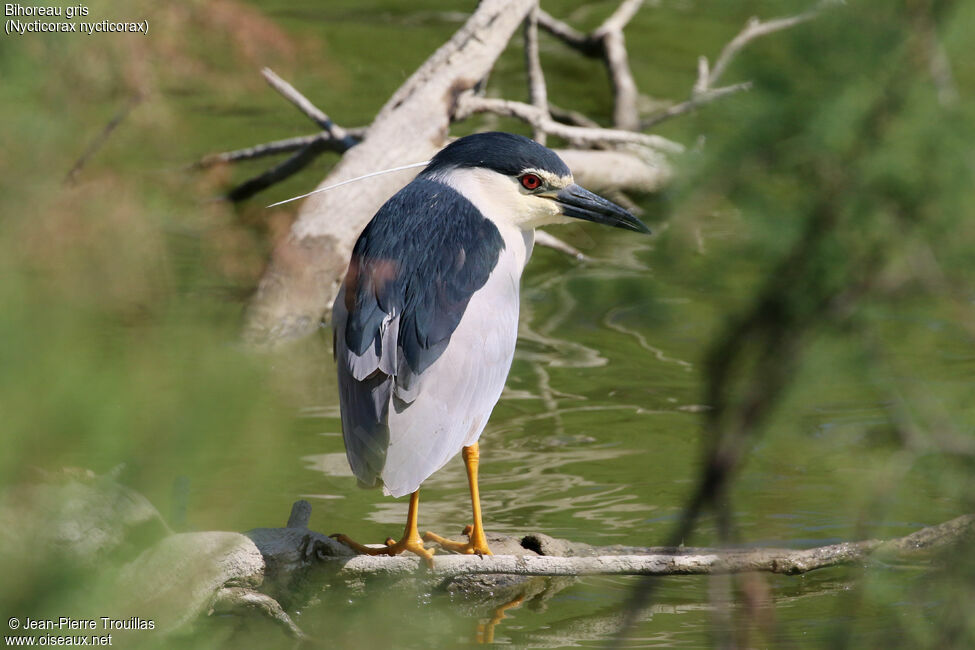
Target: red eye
531,182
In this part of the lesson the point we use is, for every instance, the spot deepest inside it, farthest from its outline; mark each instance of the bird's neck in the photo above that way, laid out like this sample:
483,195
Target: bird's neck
494,205
519,241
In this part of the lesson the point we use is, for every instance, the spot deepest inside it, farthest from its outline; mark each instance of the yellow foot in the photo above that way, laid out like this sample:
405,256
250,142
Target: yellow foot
413,544
476,542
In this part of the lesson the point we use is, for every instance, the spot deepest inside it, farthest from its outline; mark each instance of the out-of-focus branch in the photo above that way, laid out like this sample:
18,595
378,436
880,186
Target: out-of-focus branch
279,147
610,33
567,34
697,100
753,29
468,104
101,138
306,148
606,41
704,90
548,240
292,165
537,92
575,118
304,105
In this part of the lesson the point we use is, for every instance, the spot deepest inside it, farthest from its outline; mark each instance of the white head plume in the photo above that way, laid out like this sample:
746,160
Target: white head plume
352,180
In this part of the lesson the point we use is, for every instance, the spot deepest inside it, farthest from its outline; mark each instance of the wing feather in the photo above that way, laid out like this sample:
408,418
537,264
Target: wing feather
413,273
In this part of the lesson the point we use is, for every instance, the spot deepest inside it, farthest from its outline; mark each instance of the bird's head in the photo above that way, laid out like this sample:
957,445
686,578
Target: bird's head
513,179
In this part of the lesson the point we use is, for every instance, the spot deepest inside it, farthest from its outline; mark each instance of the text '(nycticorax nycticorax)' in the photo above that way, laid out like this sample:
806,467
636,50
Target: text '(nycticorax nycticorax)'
426,320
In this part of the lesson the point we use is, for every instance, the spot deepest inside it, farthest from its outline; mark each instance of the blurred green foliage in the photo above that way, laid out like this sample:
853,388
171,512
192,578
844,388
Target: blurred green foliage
852,166
122,295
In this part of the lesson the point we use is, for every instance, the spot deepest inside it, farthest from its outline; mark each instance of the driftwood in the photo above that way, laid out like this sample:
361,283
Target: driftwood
302,277
296,548
673,561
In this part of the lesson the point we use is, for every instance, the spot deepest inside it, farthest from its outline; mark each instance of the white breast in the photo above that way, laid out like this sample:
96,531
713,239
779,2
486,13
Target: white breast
459,390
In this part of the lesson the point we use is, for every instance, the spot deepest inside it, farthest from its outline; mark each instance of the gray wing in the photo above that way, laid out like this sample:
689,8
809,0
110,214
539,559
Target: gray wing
412,274
364,398
459,390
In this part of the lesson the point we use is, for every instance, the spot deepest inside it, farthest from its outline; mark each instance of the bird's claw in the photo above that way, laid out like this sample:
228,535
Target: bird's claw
412,544
476,543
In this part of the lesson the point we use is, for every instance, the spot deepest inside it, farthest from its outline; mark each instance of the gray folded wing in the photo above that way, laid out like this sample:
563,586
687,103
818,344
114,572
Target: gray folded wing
411,278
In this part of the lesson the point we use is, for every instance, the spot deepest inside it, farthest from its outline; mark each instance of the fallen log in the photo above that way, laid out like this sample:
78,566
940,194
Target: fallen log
295,548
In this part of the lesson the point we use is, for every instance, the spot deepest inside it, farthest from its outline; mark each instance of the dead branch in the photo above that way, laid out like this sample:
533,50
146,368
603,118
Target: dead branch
568,116
548,240
608,43
537,92
704,90
580,136
257,151
306,148
696,101
608,171
567,34
610,33
305,106
99,141
294,164
753,29
331,138
670,561
278,147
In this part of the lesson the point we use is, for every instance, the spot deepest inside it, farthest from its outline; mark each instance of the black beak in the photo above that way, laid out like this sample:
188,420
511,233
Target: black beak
580,203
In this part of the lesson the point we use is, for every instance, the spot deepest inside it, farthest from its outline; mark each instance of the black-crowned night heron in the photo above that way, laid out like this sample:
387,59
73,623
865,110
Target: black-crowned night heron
427,318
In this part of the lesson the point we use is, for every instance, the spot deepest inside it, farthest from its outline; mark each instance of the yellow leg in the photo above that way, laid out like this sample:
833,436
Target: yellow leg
476,541
411,540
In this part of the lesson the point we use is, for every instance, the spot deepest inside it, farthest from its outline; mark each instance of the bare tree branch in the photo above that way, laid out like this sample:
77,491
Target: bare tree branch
101,138
575,118
697,100
632,168
567,34
257,151
468,104
606,41
305,106
292,165
668,561
619,18
753,29
610,33
307,148
537,92
704,91
278,147
548,240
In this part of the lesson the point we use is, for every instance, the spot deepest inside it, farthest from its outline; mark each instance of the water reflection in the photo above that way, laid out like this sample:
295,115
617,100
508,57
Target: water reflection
523,486
612,322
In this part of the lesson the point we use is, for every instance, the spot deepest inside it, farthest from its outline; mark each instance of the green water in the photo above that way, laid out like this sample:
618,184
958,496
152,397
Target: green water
125,293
